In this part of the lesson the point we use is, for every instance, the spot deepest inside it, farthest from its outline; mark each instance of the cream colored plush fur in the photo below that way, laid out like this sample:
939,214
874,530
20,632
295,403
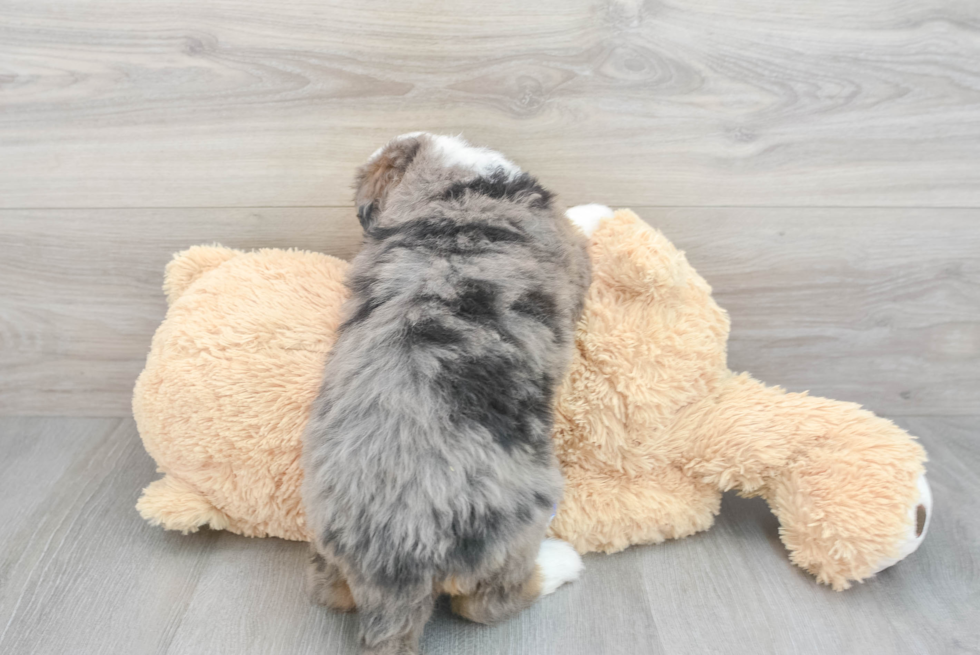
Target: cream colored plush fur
651,426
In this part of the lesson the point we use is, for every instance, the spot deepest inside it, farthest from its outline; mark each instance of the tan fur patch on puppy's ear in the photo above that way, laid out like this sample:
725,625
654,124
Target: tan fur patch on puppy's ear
377,177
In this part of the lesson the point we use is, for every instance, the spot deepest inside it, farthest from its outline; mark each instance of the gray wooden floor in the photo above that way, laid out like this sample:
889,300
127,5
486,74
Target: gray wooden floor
82,573
818,161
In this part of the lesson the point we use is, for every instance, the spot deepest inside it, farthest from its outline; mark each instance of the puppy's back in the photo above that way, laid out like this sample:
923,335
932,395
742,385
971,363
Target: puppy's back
428,454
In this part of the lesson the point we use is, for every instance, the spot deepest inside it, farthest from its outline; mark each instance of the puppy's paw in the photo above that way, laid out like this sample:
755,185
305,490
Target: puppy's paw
588,217
326,586
559,563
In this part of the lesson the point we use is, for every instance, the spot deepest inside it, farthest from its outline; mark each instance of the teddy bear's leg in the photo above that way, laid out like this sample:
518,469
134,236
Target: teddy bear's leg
607,512
176,505
843,482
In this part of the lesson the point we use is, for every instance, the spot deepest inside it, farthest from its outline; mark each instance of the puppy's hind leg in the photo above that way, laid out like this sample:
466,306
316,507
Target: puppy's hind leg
523,581
326,583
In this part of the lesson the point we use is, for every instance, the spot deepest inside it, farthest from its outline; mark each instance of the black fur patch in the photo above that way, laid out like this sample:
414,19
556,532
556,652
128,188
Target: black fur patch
364,310
361,287
473,534
477,300
446,236
539,306
365,215
541,500
483,390
474,302
402,571
523,513
318,562
432,331
499,186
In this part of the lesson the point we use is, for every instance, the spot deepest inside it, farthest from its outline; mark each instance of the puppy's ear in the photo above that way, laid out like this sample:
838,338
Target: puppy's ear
379,176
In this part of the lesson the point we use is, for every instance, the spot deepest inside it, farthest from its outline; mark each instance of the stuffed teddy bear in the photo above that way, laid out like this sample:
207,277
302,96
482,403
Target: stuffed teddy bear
650,425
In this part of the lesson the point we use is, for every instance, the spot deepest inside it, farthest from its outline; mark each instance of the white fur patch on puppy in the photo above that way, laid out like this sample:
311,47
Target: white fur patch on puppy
559,563
457,152
588,217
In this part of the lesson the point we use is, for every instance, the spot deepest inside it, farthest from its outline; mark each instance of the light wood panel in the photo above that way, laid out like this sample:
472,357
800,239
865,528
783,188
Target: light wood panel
878,306
132,130
82,573
80,292
194,103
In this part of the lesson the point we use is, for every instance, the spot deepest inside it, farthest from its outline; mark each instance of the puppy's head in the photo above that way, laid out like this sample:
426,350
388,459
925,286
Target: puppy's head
438,155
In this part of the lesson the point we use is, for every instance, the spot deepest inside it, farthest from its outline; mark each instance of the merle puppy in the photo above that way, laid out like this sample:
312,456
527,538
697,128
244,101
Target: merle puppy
428,458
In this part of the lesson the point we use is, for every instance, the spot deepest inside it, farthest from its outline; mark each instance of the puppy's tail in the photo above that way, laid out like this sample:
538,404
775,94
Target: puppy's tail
392,618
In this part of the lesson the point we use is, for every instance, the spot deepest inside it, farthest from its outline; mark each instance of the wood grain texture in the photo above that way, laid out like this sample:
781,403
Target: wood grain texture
81,573
878,306
781,144
80,292
255,103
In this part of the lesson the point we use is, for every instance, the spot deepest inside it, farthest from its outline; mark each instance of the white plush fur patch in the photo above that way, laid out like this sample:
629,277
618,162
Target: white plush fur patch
455,151
588,217
482,161
912,541
559,563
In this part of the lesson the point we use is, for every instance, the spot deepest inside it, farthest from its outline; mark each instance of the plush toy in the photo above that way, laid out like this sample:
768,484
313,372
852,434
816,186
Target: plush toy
650,425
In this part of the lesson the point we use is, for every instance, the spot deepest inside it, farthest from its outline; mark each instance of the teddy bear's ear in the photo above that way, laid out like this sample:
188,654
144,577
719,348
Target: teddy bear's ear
188,265
630,256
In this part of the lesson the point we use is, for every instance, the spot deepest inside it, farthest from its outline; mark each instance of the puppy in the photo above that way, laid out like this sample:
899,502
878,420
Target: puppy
428,458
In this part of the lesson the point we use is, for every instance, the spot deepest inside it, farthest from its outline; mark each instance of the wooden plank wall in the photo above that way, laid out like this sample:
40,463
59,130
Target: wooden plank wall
820,163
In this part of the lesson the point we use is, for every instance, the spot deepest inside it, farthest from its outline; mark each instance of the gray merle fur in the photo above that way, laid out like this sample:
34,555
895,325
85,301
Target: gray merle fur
428,454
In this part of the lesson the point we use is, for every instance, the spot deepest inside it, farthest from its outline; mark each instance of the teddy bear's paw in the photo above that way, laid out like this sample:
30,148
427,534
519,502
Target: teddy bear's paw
920,514
176,505
588,217
558,563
